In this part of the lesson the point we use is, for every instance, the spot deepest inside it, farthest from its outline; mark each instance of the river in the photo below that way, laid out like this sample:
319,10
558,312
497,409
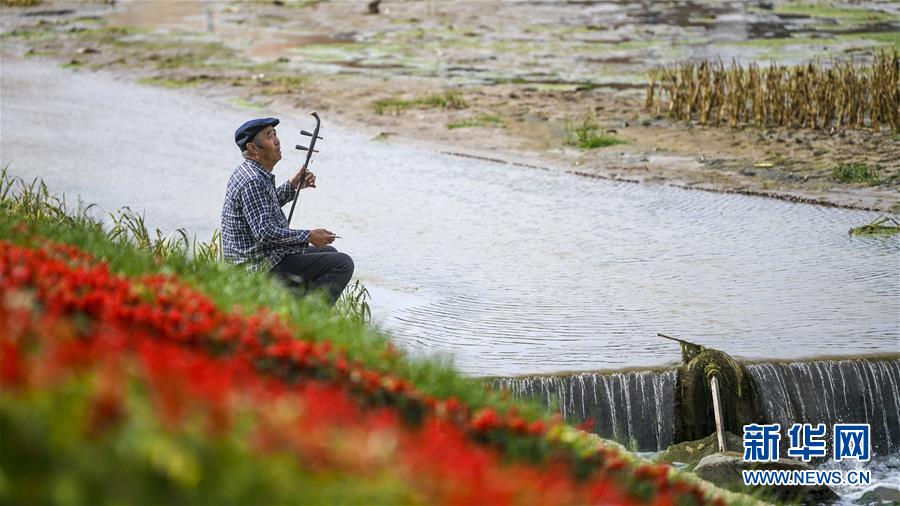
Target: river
507,270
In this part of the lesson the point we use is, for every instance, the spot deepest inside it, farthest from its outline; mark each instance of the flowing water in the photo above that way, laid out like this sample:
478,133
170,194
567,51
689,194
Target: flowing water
637,408
634,408
846,391
509,270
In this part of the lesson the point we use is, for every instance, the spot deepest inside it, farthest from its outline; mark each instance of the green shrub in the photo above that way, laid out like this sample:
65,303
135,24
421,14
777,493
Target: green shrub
583,134
482,120
449,100
856,172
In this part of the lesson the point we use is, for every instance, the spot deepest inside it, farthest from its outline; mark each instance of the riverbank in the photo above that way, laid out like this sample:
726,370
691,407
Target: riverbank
433,75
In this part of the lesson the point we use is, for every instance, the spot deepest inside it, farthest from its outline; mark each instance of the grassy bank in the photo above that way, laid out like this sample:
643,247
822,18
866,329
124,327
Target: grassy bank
169,367
131,249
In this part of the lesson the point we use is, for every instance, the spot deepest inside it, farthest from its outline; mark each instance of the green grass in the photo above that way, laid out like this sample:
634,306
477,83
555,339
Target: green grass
170,82
883,225
776,43
335,52
31,33
72,64
583,134
560,87
302,3
395,105
826,10
449,100
96,20
354,303
891,38
32,53
480,121
857,172
250,104
282,84
599,141
103,34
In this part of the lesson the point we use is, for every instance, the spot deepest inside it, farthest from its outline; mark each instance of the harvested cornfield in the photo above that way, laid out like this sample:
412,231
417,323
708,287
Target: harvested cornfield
815,95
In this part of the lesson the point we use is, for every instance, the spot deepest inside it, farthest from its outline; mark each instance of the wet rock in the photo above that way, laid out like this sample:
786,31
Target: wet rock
690,453
880,495
724,469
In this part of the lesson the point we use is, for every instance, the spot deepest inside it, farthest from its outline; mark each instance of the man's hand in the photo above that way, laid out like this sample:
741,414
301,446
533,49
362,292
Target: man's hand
321,237
304,178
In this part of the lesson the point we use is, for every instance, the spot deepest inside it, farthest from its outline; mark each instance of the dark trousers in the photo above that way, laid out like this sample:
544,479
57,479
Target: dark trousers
323,267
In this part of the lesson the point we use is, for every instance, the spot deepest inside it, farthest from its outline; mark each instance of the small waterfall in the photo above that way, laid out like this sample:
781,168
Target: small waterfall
637,408
634,408
835,391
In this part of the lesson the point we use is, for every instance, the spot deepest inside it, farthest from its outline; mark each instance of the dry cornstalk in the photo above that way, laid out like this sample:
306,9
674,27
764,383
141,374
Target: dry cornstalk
814,95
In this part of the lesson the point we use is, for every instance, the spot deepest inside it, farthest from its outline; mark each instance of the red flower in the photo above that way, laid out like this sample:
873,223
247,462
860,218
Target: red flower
518,424
198,359
537,428
12,366
485,419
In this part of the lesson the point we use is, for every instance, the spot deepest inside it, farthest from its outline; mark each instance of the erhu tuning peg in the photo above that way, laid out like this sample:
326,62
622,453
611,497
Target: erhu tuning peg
304,148
304,132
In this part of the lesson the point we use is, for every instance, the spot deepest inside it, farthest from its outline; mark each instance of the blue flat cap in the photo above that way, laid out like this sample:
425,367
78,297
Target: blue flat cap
246,132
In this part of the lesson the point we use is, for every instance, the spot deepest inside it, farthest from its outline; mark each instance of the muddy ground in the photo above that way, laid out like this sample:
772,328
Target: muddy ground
501,80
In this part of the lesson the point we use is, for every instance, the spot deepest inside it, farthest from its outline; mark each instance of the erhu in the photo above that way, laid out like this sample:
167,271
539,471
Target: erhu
309,151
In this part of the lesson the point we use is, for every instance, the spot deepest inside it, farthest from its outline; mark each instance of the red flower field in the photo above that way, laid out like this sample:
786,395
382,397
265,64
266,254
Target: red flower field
66,320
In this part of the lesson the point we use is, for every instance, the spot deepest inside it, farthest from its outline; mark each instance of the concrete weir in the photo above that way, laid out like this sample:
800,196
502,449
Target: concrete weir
634,408
835,391
637,408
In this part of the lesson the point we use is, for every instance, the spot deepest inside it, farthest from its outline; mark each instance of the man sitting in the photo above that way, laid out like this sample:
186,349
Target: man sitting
255,231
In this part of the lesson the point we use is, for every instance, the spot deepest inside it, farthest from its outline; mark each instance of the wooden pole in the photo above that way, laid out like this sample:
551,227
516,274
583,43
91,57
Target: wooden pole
717,410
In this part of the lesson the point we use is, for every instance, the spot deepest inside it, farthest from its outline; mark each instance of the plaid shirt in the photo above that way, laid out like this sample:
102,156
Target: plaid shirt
255,231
